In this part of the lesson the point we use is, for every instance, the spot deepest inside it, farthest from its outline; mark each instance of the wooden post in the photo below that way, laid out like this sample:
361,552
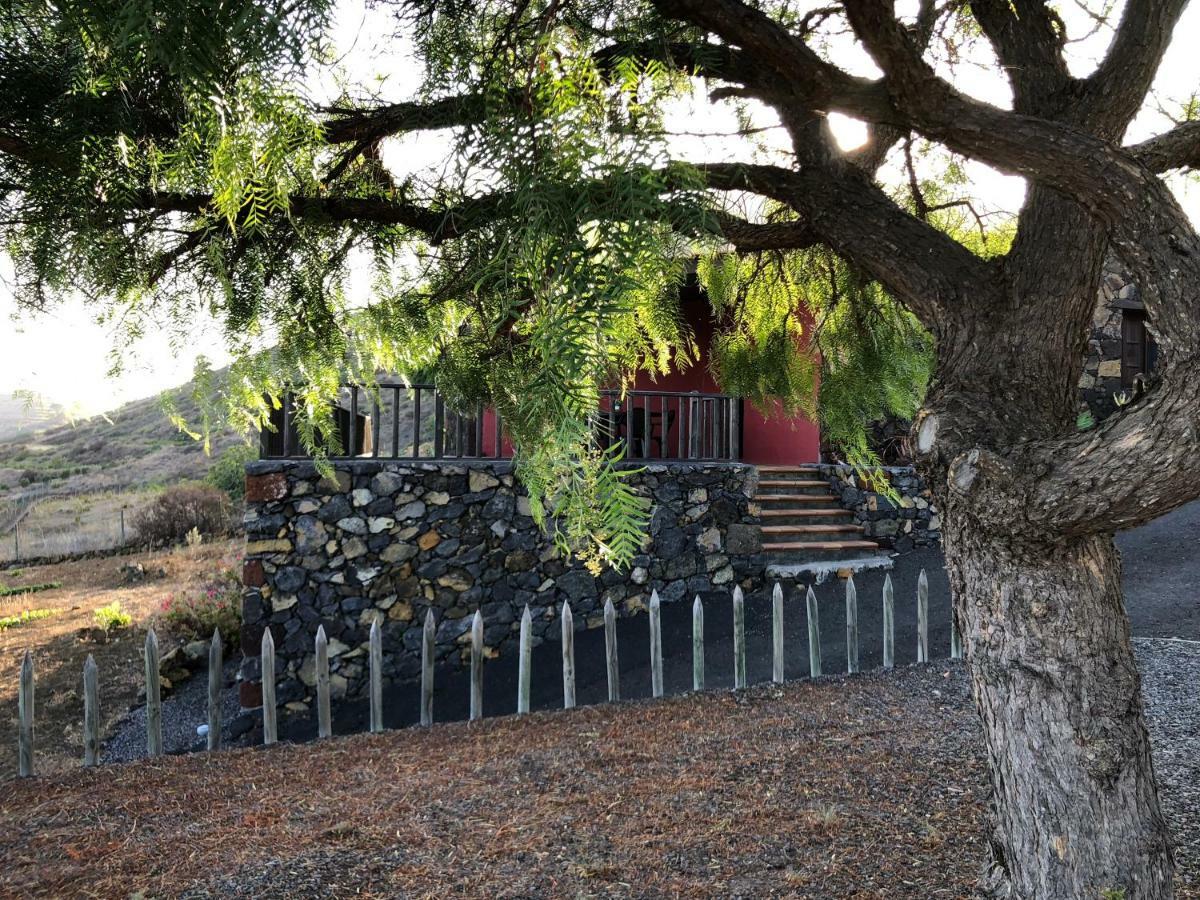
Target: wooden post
697,645
25,714
889,624
656,665
215,663
610,651
524,659
324,719
376,677
814,636
154,741
91,713
477,666
956,650
428,638
922,618
851,626
568,656
777,634
270,724
739,639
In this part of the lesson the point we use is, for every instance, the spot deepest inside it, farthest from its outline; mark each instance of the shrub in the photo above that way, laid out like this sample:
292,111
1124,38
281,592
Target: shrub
169,517
112,617
228,472
27,588
216,604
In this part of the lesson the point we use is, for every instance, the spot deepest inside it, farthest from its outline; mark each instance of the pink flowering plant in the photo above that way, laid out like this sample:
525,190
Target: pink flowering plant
216,603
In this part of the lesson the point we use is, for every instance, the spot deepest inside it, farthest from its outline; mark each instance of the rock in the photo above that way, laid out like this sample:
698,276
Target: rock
336,507
639,575
436,498
289,579
398,552
353,524
479,480
264,488
280,602
310,535
196,651
353,548
429,540
400,611
710,540
279,545
386,483
523,507
699,495
361,497
743,540
378,524
414,510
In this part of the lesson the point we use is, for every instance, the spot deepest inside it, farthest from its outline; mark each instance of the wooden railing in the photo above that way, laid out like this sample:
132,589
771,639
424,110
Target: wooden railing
412,422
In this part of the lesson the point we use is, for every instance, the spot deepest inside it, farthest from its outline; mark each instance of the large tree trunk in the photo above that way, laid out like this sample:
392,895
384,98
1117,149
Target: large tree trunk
1059,696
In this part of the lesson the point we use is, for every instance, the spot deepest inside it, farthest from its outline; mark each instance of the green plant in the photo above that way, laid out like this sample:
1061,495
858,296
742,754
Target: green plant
28,615
111,617
193,538
228,472
20,589
216,604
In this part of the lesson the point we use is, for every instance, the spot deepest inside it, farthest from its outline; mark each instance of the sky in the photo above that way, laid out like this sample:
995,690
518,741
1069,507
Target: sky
63,356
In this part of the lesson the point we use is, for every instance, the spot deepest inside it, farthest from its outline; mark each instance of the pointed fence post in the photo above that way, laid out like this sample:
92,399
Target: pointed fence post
376,677
524,660
324,719
610,651
656,663
270,723
25,714
216,662
477,666
568,656
889,624
91,713
956,649
739,639
777,634
851,626
814,636
922,618
154,741
697,645
428,638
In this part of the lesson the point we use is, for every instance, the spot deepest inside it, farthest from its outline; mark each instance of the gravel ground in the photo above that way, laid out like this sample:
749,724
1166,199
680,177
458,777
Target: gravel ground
183,710
1171,688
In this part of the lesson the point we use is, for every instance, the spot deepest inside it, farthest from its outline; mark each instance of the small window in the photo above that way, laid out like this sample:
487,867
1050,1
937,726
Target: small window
1137,347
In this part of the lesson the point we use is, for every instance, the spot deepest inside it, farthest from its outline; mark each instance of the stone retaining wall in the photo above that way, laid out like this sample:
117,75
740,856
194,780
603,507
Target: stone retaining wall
389,540
908,522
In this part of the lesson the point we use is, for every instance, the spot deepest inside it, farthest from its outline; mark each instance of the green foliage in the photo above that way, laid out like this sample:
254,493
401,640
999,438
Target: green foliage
28,588
111,617
24,617
216,604
807,332
228,472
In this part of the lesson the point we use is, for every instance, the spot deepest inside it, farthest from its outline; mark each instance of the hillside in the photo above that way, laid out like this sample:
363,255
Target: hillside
17,415
134,445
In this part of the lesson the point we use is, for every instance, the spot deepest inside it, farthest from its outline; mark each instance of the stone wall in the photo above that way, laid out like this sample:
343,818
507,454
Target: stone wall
910,521
388,540
1100,382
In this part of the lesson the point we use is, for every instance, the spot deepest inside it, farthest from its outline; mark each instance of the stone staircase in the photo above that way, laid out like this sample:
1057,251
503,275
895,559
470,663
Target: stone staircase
804,528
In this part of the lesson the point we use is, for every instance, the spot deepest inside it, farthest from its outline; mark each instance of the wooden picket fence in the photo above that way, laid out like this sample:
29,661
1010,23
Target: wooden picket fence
154,741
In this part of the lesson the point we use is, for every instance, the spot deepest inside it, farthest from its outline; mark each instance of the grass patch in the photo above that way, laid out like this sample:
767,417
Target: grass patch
24,617
22,589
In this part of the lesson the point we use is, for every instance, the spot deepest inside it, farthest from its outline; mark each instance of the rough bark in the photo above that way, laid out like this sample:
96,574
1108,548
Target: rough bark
1059,696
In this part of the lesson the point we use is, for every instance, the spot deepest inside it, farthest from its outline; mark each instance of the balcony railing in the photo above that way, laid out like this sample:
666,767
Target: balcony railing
412,422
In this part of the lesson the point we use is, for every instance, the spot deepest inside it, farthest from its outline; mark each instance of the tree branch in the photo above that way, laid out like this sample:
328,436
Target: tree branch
1028,40
1178,148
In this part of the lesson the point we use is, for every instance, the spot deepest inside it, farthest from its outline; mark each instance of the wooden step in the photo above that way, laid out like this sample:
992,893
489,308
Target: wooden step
795,498
794,482
810,470
809,529
803,513
821,545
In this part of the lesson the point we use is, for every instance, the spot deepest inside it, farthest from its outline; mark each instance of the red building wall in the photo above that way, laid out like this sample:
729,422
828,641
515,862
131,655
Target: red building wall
766,440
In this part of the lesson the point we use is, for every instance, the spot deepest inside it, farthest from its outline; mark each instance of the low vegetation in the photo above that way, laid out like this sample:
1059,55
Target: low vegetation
24,617
111,617
215,604
21,589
